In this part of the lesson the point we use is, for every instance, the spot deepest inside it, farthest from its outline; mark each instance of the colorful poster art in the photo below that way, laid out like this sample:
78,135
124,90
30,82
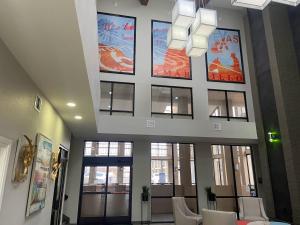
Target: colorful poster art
166,62
39,176
224,57
116,43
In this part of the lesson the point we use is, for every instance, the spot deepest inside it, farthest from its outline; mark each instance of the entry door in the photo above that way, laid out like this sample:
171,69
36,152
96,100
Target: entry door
58,197
106,191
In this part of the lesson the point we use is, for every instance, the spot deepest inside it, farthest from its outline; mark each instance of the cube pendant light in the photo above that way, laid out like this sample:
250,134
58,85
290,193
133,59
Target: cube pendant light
197,45
184,13
255,4
205,23
177,37
288,2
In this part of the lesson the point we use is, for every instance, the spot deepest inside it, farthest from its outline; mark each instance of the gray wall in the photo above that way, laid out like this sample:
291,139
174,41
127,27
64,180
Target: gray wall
201,126
18,117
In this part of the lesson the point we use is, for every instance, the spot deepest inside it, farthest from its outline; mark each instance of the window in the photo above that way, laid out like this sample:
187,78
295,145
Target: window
172,174
117,98
234,175
172,102
108,149
227,104
220,172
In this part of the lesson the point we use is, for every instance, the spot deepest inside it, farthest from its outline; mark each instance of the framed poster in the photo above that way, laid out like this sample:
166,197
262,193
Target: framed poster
166,62
224,57
116,43
39,175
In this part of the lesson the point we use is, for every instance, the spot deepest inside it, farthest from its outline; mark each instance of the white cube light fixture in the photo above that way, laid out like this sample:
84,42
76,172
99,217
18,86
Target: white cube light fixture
205,23
177,37
255,4
288,2
184,13
197,45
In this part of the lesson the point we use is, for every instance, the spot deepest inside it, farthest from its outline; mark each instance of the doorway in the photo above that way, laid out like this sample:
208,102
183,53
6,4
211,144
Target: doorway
106,192
58,197
5,149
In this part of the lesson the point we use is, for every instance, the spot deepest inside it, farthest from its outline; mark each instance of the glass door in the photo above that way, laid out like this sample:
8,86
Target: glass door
106,187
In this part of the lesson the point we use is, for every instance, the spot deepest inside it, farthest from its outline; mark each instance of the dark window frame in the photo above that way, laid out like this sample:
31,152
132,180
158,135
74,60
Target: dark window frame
228,117
173,175
236,196
111,111
171,101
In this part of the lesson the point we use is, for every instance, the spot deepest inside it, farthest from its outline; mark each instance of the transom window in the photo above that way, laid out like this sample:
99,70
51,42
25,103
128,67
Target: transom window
172,102
117,98
227,104
108,149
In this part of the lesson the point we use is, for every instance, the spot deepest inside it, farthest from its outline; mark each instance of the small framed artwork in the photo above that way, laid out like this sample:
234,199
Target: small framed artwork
116,43
224,57
168,63
39,175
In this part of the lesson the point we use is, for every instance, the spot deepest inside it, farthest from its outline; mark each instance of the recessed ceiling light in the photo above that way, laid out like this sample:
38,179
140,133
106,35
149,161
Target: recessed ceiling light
71,104
78,117
176,98
110,92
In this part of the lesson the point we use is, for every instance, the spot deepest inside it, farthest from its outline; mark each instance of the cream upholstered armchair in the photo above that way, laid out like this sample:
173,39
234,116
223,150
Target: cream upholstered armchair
252,209
182,214
212,217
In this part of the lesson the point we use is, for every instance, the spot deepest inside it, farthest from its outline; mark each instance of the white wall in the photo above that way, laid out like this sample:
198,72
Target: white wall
201,126
18,117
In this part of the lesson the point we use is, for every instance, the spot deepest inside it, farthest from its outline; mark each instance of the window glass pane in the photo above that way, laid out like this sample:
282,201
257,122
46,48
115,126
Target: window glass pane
161,163
113,149
94,179
236,104
217,103
96,149
161,99
123,97
105,96
244,171
182,101
223,173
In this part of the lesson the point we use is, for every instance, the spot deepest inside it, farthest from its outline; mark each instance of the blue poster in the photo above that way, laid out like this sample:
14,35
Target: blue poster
116,42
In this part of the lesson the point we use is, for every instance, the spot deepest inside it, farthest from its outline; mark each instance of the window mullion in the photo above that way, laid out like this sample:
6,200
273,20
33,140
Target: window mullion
227,106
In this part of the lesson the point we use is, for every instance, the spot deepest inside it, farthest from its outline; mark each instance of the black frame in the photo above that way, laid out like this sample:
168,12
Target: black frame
105,161
173,184
171,100
134,50
165,76
228,117
242,60
236,196
111,111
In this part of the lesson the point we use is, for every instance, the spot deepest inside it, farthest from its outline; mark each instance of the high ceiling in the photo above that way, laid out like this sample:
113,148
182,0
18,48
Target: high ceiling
44,37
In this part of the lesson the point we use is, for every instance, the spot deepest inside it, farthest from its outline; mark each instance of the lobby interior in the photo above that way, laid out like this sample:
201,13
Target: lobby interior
105,120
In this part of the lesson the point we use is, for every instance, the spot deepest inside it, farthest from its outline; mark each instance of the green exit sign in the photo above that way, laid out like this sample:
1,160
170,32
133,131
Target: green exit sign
274,137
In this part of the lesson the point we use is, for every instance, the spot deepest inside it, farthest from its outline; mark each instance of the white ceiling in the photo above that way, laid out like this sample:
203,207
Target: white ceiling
44,37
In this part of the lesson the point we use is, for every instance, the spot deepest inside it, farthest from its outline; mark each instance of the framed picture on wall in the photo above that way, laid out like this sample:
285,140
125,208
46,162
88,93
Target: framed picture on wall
116,43
224,57
39,175
166,62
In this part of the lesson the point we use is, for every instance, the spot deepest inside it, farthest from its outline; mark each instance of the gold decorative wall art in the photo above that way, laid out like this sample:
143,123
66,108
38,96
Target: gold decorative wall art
25,154
55,165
